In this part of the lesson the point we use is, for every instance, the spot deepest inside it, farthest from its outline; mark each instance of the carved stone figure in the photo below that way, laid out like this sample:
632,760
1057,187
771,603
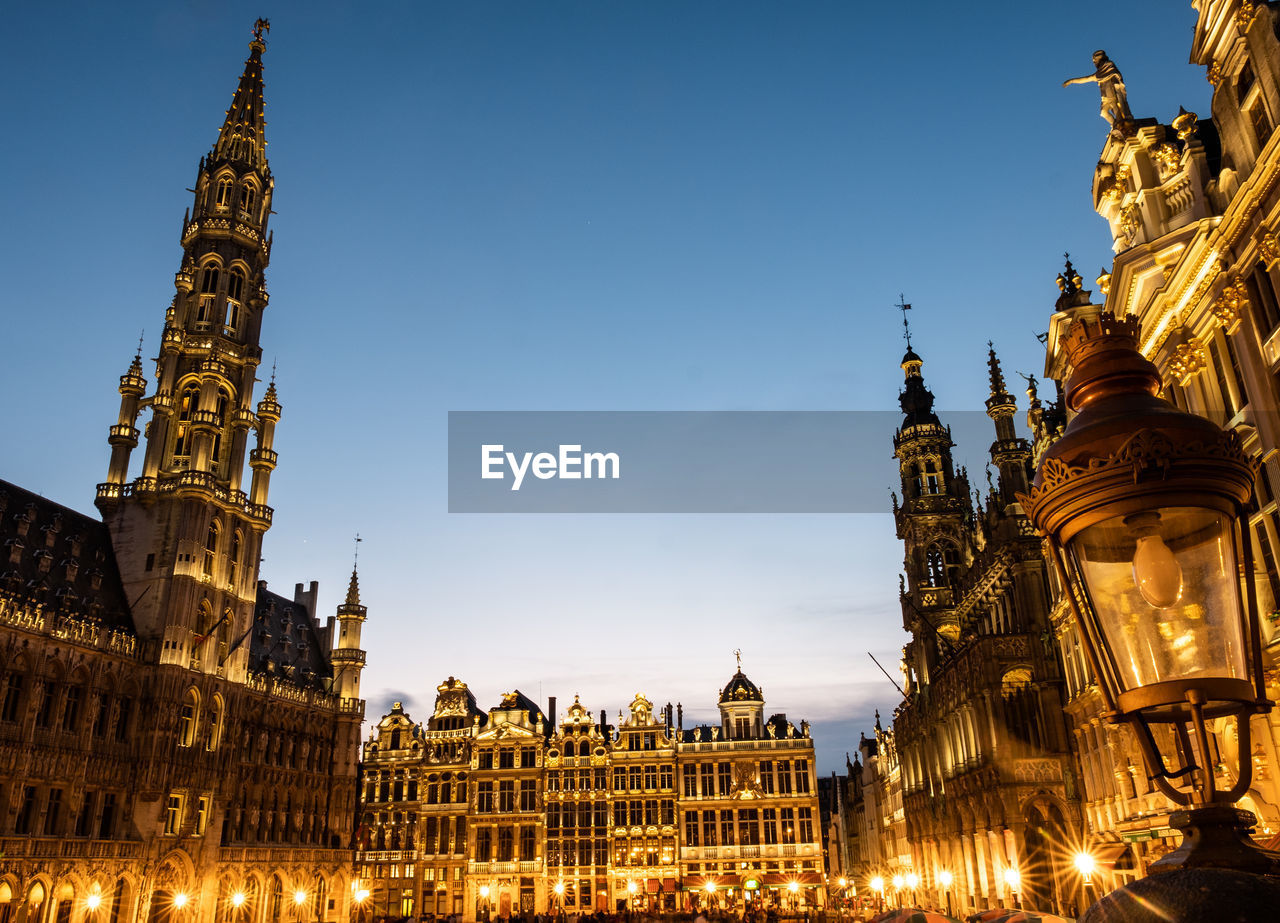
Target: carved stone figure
1115,101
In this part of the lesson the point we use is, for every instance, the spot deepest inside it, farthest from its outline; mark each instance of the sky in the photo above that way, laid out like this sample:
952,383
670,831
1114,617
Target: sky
569,206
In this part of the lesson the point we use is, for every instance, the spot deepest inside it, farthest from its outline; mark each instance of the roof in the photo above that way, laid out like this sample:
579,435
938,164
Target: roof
741,689
57,558
285,642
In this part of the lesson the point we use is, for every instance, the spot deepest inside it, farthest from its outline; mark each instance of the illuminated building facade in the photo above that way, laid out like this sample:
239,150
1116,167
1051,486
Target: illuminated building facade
175,738
1193,207
988,777
580,816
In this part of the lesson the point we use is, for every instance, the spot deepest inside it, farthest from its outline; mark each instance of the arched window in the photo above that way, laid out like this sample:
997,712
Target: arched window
248,195
224,404
235,299
210,548
940,564
188,717
187,406
223,199
233,562
215,724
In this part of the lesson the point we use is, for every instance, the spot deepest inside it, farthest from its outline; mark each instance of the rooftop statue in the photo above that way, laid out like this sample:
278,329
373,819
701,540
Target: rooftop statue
1115,101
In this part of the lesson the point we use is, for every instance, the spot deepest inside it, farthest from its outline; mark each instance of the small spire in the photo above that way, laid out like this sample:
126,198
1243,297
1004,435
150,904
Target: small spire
353,590
243,135
993,368
271,395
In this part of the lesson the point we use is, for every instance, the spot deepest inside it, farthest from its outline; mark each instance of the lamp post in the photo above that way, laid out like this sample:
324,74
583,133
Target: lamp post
1143,506
484,903
1012,878
898,883
945,879
299,899
559,892
793,887
361,897
877,885
913,882
1085,865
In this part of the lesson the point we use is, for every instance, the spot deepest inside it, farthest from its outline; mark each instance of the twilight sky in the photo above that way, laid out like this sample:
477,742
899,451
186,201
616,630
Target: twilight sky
569,206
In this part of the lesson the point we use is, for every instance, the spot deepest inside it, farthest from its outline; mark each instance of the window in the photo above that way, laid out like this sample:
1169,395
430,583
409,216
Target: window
71,708
484,844
784,777
85,817
690,773
788,826
215,724
635,812
619,813
766,777
709,828
748,827
26,813
233,562
529,756
690,828
528,843
53,812
173,815
707,775
507,796
506,844
726,828
486,759
742,728
634,782
223,198
44,711
235,299
1262,296
806,825
187,406
724,778
107,823
13,688
202,814
802,777
553,781
528,794
187,719
247,196
506,759
209,279
666,776
619,778
770,818
650,778
484,798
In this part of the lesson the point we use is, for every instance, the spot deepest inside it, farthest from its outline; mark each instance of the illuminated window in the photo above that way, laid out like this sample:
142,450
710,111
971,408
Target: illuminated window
202,814
233,562
223,198
210,548
188,717
173,815
187,405
247,197
215,724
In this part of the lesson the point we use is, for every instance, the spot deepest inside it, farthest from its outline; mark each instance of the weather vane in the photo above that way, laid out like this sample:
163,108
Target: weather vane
262,25
906,327
358,541
140,338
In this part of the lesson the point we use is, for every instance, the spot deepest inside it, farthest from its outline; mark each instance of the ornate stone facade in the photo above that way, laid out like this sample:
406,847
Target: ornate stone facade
987,776
1198,270
174,737
581,815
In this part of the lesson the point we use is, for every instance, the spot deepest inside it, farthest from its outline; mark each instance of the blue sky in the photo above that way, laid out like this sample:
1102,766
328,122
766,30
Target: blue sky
569,206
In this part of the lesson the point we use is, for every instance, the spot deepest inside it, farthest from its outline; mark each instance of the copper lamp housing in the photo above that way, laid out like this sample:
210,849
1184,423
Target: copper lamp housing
1144,507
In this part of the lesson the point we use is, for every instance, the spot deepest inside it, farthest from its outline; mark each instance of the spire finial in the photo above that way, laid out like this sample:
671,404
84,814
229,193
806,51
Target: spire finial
993,366
738,656
138,354
356,562
906,327
260,26
273,371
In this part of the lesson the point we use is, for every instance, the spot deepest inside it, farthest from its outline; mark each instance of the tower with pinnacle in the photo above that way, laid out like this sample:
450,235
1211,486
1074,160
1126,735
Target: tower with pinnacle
187,530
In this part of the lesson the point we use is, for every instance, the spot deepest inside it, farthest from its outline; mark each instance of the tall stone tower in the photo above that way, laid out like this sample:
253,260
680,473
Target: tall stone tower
187,536
932,522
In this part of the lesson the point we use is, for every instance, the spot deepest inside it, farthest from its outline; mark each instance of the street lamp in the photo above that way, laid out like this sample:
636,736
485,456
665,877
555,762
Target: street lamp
898,882
912,881
1143,507
92,902
1013,879
877,885
484,903
361,897
559,891
945,879
299,898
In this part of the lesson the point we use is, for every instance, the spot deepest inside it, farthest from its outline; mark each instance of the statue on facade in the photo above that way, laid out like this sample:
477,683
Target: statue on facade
1115,101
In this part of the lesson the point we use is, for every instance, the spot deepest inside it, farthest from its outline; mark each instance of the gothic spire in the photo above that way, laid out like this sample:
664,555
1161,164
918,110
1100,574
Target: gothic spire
243,135
993,369
353,589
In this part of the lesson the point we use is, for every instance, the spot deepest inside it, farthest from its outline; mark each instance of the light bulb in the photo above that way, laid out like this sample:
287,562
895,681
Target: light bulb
1156,572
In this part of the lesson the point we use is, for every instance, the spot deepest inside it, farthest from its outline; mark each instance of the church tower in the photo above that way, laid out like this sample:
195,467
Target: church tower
933,522
187,536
